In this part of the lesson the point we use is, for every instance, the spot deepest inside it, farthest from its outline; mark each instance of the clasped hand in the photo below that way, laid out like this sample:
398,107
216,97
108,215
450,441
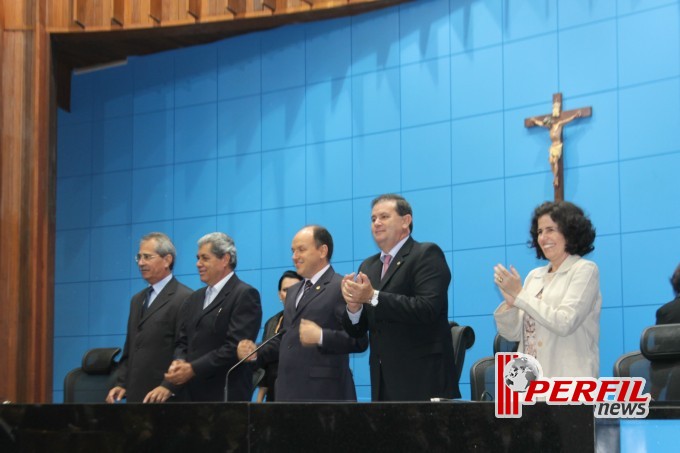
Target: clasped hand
356,290
244,348
509,282
180,372
310,333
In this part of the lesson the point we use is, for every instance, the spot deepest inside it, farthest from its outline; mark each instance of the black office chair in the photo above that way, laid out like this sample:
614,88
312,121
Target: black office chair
483,379
501,344
463,338
658,361
483,371
91,382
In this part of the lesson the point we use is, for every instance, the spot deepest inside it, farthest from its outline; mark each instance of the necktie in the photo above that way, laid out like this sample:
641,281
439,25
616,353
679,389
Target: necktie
208,297
386,265
307,285
147,300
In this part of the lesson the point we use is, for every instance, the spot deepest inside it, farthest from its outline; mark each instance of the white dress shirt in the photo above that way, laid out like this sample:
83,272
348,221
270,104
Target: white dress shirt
157,288
212,291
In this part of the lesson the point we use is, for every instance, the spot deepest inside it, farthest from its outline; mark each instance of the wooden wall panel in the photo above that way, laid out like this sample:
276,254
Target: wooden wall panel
26,207
59,14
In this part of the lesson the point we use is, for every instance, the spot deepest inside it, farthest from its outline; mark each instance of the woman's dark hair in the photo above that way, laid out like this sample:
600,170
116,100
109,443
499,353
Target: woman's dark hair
576,228
675,280
289,274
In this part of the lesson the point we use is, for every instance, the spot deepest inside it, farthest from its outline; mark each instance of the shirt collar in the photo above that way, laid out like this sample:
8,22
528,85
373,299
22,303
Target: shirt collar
217,287
159,285
318,275
394,250
564,267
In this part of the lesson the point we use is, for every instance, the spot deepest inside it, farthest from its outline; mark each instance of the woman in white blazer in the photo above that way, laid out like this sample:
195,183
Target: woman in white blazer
555,315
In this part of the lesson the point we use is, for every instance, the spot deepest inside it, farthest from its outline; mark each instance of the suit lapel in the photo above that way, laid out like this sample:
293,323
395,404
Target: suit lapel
373,269
396,264
314,292
219,299
160,300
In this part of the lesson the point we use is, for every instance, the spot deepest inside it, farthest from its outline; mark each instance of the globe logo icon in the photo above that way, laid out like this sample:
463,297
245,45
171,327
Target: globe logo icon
520,372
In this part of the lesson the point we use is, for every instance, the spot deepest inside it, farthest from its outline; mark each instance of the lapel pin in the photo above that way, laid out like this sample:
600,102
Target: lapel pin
318,287
398,263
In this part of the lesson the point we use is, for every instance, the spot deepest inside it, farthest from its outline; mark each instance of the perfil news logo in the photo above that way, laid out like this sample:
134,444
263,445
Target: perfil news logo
520,381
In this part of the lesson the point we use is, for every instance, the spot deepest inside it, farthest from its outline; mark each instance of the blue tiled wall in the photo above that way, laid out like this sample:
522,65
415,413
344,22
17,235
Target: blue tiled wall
261,134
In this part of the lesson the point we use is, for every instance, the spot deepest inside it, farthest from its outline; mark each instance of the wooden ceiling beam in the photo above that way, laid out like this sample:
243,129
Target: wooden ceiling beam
95,45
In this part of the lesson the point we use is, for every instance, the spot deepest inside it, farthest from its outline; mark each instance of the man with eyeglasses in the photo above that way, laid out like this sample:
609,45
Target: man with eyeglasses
153,326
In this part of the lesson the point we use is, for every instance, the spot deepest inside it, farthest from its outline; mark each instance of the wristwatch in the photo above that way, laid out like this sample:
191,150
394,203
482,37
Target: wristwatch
374,299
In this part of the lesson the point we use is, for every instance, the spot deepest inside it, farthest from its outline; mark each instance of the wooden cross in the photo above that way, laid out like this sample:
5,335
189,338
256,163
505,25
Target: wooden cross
555,122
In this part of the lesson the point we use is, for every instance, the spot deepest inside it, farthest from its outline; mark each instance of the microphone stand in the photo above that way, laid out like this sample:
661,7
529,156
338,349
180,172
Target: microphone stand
226,380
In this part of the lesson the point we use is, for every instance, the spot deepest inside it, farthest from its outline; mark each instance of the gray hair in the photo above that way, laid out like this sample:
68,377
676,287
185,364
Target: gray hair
164,245
220,245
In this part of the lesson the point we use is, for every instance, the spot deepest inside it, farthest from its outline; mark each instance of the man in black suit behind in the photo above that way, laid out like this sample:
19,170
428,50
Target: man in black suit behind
313,351
400,296
669,313
214,320
153,326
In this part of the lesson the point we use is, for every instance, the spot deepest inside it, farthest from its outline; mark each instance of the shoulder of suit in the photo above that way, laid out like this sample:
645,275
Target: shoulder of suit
425,247
243,285
576,262
336,278
372,258
184,288
141,293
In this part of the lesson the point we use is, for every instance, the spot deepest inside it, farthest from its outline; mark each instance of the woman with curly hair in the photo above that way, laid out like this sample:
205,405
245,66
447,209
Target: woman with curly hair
555,315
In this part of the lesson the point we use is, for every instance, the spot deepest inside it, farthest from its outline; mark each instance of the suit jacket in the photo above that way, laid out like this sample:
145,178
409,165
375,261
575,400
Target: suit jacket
314,373
208,340
150,341
271,370
411,345
567,317
669,313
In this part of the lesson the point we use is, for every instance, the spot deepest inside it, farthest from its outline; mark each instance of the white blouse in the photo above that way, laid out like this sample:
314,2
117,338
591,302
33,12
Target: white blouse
567,316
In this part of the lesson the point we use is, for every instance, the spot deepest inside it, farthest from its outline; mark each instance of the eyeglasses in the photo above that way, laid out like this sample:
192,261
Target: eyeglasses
143,256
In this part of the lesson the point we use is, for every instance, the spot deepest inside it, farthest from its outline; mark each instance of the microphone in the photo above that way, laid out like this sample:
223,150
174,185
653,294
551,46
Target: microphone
226,380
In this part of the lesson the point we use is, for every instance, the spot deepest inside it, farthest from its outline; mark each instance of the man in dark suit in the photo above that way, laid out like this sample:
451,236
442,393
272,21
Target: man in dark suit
153,326
313,351
273,326
214,320
669,313
400,296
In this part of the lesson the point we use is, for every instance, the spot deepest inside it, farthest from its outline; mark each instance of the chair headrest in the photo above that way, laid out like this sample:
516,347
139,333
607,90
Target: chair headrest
502,344
467,334
661,342
99,360
468,337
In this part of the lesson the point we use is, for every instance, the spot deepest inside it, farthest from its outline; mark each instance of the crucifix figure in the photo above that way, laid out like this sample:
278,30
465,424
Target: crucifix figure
555,122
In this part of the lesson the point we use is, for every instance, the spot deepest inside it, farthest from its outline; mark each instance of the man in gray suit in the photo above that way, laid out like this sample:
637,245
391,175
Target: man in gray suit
313,352
153,326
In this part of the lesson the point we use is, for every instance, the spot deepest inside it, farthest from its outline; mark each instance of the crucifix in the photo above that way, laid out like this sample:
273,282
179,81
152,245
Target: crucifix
555,122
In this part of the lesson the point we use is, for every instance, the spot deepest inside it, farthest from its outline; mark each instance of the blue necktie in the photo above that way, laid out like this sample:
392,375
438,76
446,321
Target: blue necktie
147,300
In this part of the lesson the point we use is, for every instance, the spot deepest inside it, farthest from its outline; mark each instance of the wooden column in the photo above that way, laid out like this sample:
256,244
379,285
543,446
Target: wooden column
27,202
